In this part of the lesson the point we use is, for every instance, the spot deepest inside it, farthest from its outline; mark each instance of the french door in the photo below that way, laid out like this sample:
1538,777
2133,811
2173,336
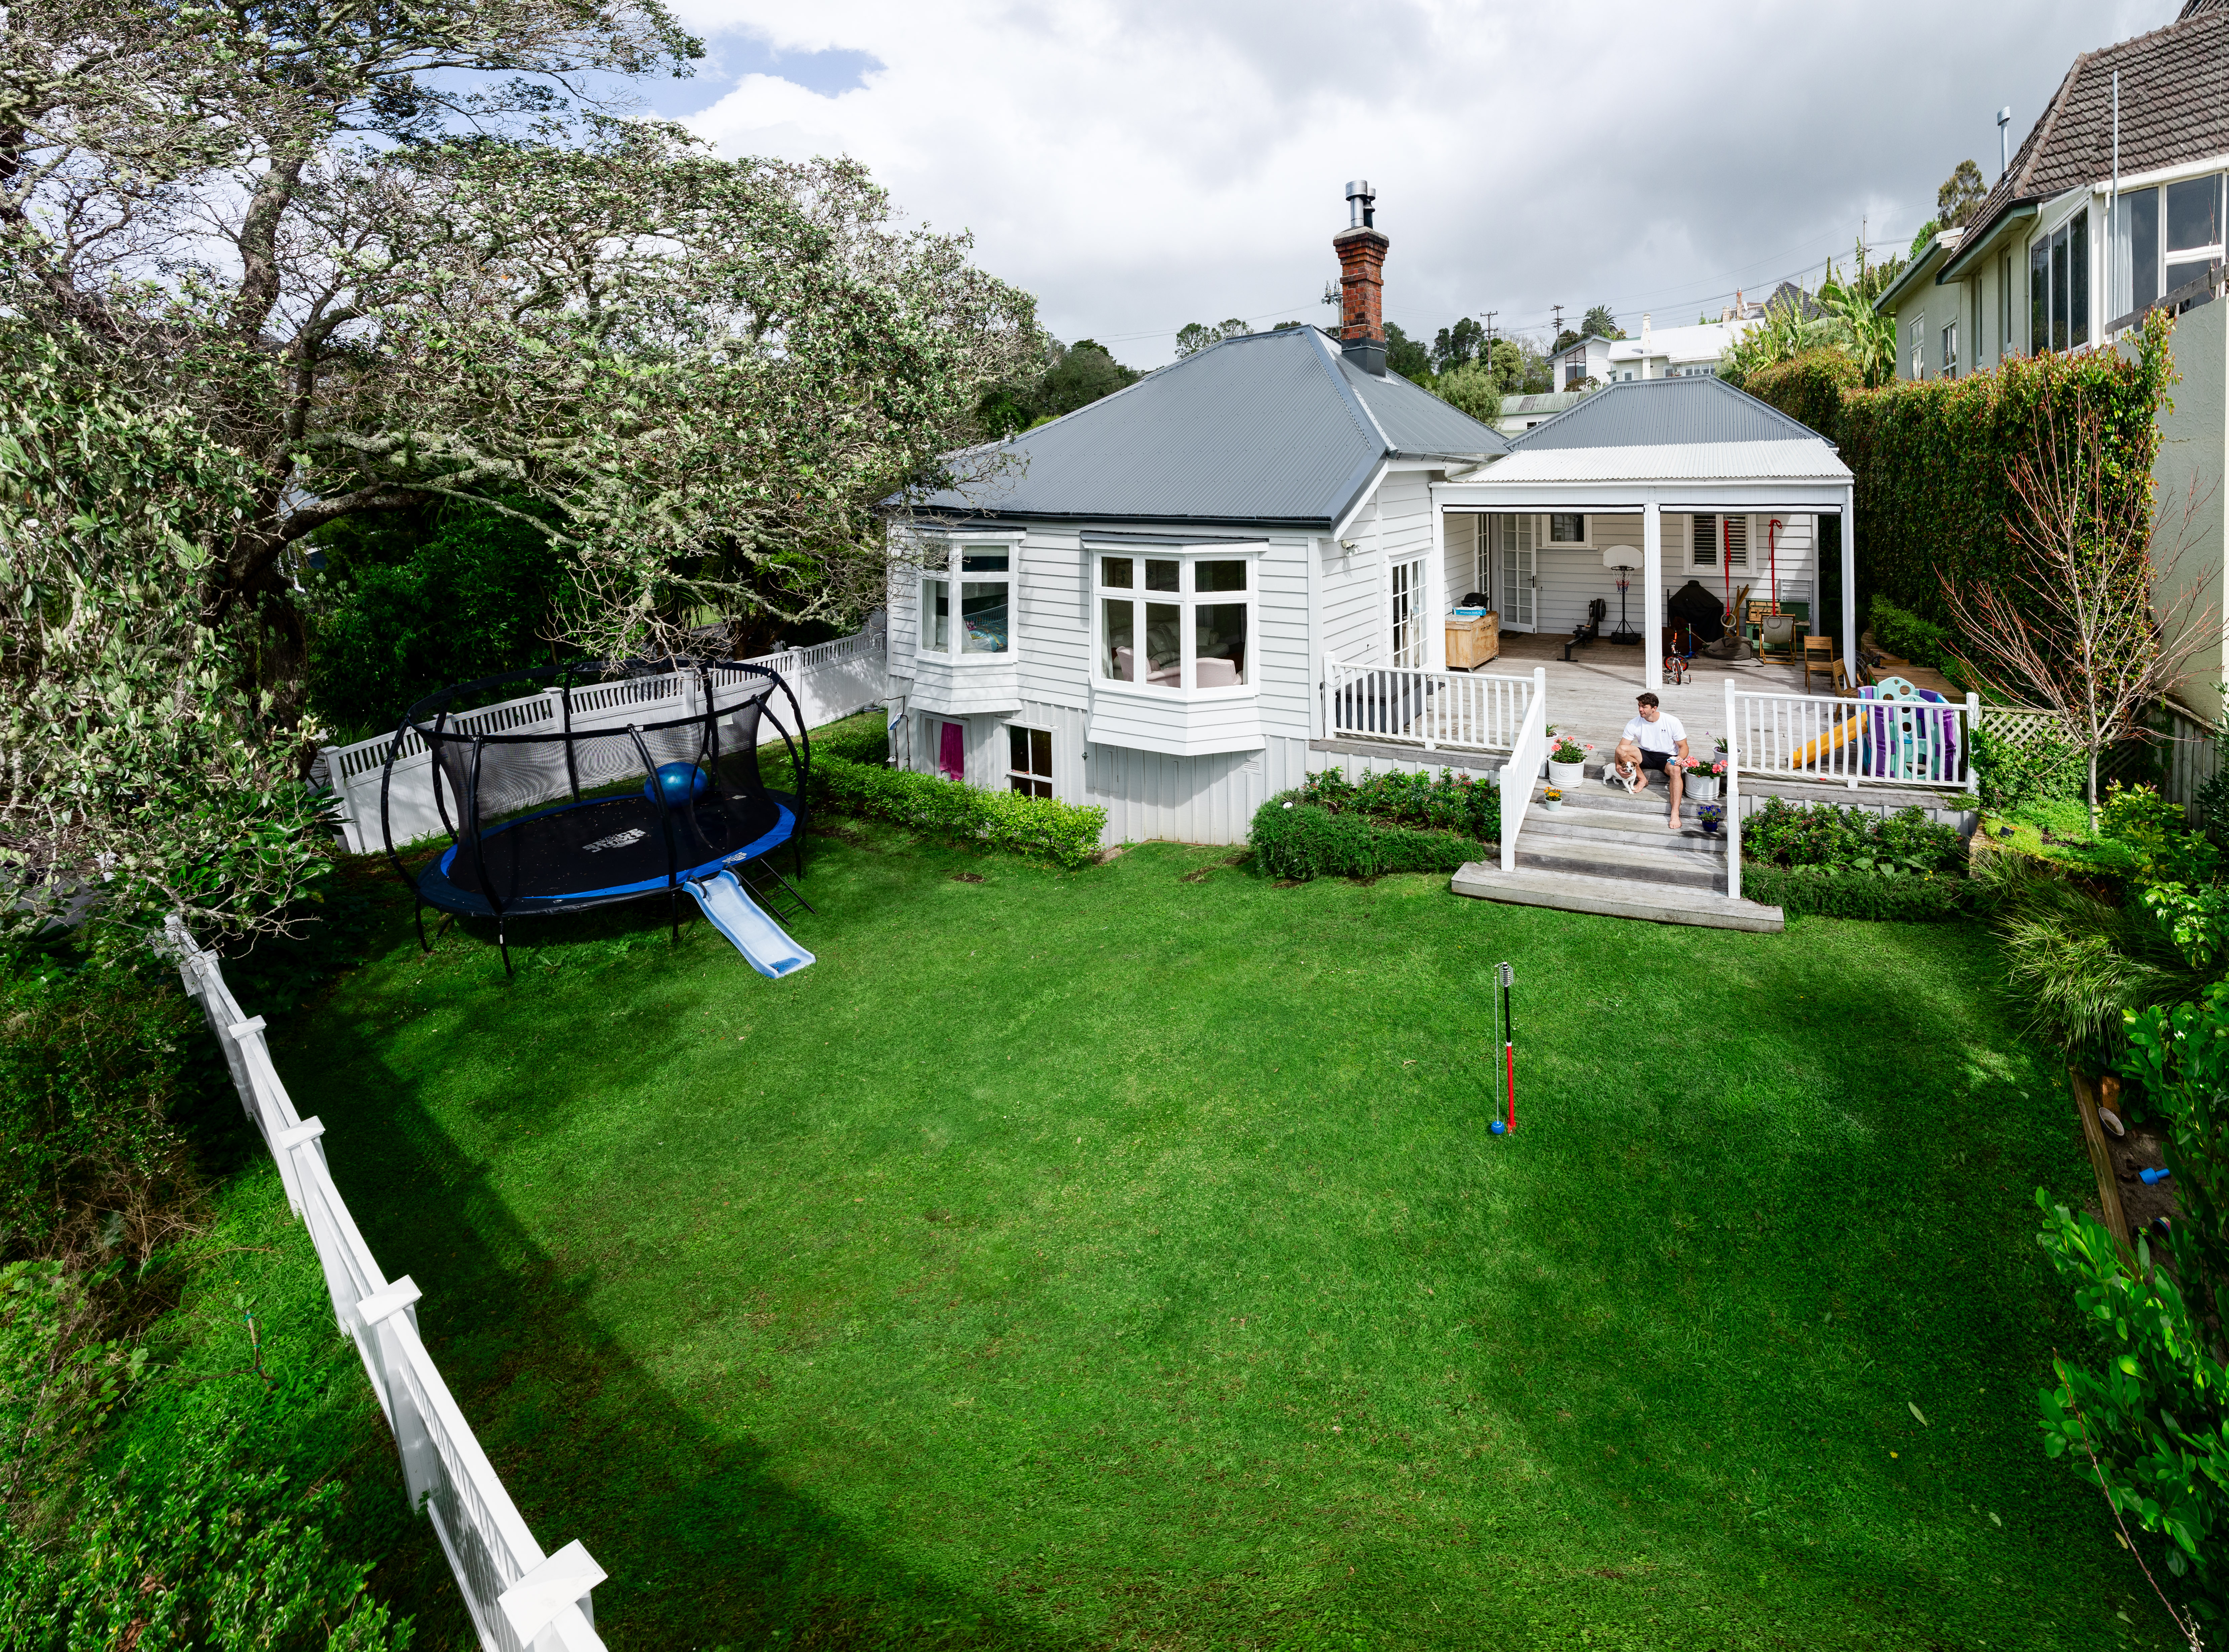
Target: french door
1519,593
1408,628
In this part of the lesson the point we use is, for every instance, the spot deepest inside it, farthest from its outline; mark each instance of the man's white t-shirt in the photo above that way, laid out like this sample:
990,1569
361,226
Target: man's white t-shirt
1664,734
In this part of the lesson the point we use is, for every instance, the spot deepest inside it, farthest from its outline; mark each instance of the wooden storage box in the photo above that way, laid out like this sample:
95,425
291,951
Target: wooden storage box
1471,643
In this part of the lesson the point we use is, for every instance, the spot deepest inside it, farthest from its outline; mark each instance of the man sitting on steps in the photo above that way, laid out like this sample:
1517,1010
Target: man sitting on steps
1661,737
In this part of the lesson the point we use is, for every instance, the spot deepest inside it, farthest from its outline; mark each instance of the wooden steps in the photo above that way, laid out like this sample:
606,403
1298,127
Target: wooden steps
1609,852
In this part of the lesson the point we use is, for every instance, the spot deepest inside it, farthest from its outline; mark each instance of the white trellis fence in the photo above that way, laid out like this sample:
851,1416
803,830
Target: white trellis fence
830,680
521,1599
1408,705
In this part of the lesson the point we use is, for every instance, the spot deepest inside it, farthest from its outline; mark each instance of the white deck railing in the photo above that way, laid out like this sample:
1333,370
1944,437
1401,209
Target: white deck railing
1854,743
830,680
1410,705
1732,796
521,1599
1527,752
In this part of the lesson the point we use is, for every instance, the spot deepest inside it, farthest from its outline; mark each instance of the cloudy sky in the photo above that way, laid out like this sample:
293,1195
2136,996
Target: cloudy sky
1141,164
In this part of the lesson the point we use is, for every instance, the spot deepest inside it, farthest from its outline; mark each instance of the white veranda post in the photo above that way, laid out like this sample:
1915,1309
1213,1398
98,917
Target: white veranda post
1435,594
1652,593
1850,581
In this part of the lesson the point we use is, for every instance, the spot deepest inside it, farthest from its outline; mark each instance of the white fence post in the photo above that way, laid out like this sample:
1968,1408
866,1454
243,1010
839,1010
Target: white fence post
519,1598
1733,799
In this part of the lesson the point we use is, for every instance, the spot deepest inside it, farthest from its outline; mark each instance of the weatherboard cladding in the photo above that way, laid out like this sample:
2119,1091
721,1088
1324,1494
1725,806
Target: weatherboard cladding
1690,412
1272,427
2174,107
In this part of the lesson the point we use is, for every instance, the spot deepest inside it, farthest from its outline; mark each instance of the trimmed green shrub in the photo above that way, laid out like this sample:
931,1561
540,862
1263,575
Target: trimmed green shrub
1809,388
1300,840
1832,893
2017,774
1904,634
862,739
1447,802
1065,833
1819,835
1933,458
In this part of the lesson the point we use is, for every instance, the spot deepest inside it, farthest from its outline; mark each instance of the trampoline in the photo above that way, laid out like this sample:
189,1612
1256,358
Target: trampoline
561,804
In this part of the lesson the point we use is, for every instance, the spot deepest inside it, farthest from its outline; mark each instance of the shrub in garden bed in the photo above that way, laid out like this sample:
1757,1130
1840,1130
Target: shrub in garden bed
1829,893
1386,822
1064,833
1819,834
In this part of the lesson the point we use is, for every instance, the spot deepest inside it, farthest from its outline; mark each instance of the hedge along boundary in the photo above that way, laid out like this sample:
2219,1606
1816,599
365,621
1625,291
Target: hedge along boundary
1820,891
1933,459
1300,840
1065,833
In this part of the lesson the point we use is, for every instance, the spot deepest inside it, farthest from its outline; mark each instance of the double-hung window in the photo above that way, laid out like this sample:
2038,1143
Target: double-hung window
1179,623
968,599
1919,343
1950,351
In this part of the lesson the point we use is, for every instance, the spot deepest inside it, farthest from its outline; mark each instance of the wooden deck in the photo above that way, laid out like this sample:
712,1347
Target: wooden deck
1591,696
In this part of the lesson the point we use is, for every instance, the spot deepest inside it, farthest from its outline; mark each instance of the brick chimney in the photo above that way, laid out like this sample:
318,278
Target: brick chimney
1362,282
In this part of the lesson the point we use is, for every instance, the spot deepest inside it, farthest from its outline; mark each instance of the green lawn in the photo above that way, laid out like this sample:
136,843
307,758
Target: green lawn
1121,1258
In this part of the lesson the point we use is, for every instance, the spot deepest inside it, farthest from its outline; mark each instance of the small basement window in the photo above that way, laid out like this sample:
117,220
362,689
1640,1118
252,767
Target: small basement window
1029,769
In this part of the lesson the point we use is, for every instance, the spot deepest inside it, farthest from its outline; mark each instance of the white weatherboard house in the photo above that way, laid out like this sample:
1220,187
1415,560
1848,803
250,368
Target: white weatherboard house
1179,600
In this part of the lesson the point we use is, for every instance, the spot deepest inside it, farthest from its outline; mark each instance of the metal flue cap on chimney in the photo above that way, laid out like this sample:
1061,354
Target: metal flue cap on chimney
1360,199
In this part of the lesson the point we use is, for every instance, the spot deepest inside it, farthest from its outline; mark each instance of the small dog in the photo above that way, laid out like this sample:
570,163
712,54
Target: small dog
1625,767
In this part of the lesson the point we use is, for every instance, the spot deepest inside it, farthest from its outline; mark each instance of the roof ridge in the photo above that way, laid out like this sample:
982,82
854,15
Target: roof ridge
1368,422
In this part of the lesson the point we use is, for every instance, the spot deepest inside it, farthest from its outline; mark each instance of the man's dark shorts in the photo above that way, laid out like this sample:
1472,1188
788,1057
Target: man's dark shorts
1655,760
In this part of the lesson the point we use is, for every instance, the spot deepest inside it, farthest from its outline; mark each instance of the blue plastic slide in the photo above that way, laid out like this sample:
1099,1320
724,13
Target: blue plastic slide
758,937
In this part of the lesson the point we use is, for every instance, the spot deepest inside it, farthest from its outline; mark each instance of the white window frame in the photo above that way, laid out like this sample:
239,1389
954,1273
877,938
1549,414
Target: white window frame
1187,598
1030,781
1695,565
1918,362
1545,528
950,571
1950,349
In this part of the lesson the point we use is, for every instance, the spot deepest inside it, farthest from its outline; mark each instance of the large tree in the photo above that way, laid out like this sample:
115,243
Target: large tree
355,257
330,235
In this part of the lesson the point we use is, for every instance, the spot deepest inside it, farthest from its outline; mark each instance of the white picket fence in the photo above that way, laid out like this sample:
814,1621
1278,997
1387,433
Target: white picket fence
521,1599
1851,742
830,680
1408,706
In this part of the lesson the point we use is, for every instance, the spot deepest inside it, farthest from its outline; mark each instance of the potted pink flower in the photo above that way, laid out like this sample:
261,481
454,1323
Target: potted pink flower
1567,762
1703,776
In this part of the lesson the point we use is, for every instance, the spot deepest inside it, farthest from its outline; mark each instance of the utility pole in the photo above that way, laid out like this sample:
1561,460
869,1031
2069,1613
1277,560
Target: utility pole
1490,315
1559,309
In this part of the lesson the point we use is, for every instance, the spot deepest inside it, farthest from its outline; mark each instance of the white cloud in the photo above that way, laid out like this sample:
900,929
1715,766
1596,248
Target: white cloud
1141,164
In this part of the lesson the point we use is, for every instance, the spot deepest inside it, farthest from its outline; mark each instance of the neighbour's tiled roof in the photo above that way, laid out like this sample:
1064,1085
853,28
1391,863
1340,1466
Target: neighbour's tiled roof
2175,106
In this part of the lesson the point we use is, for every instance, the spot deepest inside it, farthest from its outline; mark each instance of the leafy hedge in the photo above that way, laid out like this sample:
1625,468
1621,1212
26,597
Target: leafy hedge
1809,387
1835,892
1302,840
1388,821
1933,458
1065,833
1904,634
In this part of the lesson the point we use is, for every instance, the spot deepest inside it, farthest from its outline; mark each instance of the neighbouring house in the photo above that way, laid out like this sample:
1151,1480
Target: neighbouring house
2110,205
1667,352
1520,412
1176,601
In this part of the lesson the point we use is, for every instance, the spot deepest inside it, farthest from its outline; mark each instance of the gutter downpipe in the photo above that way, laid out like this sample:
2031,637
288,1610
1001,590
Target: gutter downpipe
2113,214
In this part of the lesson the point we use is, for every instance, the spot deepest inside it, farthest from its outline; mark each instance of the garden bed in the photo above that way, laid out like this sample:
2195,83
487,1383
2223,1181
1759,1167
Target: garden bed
1389,821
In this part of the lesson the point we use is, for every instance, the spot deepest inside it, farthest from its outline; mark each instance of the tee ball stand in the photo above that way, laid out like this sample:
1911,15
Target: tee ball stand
1508,978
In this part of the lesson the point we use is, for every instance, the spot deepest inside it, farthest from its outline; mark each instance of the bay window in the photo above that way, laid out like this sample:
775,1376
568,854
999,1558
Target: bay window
1178,622
967,600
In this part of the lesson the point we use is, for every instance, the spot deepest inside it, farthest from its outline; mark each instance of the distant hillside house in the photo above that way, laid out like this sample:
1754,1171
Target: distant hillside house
1665,352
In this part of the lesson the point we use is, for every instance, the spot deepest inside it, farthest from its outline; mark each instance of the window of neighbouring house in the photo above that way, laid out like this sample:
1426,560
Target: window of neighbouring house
1029,760
2077,279
1574,370
2194,230
976,579
2039,295
2006,343
2140,215
1179,622
1917,346
1569,529
2058,288
1950,351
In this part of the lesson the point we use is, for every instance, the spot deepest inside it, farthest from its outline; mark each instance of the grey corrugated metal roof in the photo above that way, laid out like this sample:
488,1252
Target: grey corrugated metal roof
1697,410
1266,427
